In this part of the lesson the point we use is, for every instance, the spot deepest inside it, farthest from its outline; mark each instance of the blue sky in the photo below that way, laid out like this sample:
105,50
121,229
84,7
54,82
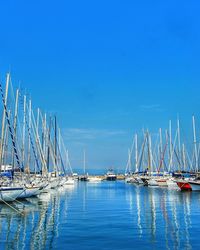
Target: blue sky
106,68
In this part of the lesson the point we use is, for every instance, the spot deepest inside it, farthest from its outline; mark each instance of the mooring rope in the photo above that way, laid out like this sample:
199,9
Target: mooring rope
16,210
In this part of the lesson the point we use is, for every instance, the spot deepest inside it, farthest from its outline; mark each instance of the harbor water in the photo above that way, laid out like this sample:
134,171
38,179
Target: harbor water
107,215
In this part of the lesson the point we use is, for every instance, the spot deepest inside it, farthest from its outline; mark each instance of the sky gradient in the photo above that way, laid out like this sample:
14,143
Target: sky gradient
106,68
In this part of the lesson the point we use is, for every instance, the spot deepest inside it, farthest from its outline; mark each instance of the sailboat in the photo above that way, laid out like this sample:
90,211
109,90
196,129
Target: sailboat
195,184
188,183
9,191
8,194
30,191
128,174
152,180
69,179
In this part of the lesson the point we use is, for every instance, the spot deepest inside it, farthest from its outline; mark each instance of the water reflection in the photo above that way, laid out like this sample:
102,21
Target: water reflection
162,215
150,218
138,202
39,226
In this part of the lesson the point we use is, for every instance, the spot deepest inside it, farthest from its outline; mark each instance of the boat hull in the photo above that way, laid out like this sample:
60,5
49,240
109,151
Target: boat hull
138,181
172,184
62,182
129,179
53,183
195,186
184,186
152,183
162,183
10,194
69,182
30,192
111,178
83,178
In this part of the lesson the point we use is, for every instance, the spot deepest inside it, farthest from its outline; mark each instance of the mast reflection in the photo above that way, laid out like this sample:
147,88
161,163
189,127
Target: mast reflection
138,202
38,227
161,215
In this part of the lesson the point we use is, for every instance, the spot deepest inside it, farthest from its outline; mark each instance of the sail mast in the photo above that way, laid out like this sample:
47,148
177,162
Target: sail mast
55,141
129,160
161,148
184,157
195,144
4,119
37,129
59,149
170,145
24,131
48,146
149,153
16,112
15,123
5,143
45,134
29,139
179,143
84,162
136,153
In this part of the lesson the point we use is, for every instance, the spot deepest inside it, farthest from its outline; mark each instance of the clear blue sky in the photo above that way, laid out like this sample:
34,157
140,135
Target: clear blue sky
106,68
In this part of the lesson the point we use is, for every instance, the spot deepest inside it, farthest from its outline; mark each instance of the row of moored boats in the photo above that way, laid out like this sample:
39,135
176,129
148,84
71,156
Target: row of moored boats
33,157
183,182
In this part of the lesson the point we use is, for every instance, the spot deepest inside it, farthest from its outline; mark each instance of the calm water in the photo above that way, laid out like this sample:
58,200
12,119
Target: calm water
104,216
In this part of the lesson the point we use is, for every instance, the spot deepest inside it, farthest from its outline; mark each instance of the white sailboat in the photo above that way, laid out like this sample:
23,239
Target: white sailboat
69,182
94,179
9,194
30,191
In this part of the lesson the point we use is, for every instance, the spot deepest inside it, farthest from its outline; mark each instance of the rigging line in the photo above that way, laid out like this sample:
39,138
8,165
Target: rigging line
66,153
20,165
12,117
142,152
36,135
130,156
31,141
54,157
174,151
163,156
61,159
62,163
32,145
